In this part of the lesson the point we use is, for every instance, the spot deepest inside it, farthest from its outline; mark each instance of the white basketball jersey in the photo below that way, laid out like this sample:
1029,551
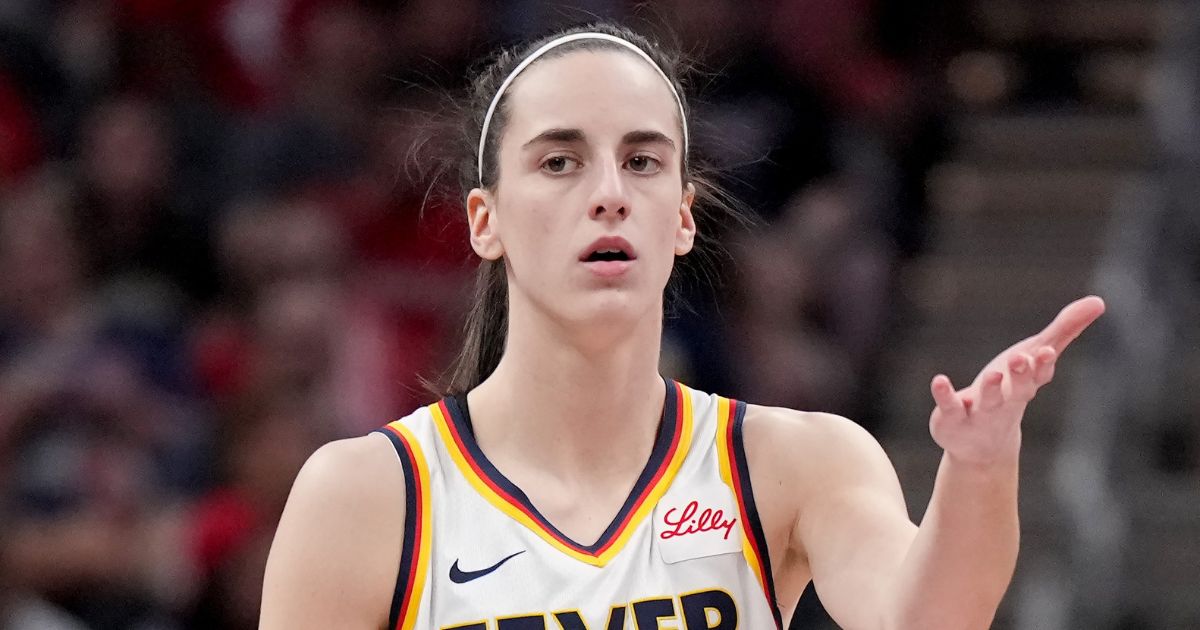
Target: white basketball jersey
685,552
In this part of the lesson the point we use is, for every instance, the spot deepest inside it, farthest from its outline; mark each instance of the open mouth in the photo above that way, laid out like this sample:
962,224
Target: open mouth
608,249
607,255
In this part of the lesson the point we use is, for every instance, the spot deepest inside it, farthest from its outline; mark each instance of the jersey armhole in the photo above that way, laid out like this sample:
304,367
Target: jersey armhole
736,473
415,550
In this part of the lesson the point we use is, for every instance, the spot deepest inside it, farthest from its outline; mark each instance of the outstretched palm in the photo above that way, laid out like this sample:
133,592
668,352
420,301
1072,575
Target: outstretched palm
981,423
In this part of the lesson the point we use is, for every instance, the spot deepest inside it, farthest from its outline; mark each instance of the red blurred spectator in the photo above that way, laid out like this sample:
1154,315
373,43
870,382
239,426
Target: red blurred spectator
265,443
20,144
127,207
248,52
831,43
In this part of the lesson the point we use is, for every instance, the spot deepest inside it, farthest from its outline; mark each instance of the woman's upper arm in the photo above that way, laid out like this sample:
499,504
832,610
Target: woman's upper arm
336,553
849,522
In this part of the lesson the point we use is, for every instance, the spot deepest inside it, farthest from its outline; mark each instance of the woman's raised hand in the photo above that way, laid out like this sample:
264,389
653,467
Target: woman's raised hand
981,423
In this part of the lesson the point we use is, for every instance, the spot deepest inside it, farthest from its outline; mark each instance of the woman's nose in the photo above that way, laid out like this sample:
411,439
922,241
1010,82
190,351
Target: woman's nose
610,198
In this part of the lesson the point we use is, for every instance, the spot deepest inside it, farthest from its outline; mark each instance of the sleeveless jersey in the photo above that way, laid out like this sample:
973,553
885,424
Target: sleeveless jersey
686,551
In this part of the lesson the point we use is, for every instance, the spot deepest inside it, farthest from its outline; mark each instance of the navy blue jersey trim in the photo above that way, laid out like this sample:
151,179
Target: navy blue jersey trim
760,537
408,551
460,415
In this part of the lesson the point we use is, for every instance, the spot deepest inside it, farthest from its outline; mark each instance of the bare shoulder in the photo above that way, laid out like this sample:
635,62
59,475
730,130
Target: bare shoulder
808,440
336,552
351,470
355,482
799,457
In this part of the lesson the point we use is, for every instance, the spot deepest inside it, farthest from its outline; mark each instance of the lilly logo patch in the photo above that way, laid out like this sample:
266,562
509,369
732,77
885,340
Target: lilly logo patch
696,525
689,522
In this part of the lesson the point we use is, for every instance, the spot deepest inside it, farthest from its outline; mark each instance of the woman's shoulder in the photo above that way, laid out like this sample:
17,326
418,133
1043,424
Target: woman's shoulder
351,465
806,447
340,527
803,429
356,480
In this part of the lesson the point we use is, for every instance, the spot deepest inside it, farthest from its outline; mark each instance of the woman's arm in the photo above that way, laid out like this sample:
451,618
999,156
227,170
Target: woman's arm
830,496
963,558
336,554
871,567
961,562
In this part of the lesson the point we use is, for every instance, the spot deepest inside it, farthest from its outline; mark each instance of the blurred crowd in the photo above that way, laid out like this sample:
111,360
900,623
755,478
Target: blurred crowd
215,254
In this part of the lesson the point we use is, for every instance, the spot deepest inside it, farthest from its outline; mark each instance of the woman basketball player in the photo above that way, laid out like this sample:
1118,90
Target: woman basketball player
570,486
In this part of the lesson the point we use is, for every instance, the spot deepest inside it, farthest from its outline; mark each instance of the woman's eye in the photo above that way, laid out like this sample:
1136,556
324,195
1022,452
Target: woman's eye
559,164
644,164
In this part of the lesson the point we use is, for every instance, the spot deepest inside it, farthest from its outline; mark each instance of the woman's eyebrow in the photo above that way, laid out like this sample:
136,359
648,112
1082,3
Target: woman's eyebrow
557,135
645,136
570,135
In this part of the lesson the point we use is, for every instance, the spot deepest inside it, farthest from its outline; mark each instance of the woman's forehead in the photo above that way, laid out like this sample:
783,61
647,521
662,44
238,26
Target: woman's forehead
591,89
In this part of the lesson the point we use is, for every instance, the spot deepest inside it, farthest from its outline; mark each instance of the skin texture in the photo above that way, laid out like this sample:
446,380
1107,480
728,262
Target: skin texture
579,384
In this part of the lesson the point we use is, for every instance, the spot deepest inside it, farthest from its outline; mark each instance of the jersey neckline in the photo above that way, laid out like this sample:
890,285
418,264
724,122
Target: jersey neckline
670,449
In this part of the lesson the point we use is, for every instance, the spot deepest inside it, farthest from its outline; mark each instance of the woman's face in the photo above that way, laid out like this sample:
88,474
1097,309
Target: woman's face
590,159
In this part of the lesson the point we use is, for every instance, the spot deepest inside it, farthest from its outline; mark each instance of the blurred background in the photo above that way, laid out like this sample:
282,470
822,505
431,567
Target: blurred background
212,261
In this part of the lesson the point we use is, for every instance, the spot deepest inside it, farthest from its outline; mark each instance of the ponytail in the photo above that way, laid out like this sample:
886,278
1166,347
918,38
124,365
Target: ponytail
485,331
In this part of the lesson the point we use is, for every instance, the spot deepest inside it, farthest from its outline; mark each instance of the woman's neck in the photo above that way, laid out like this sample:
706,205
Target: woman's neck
586,402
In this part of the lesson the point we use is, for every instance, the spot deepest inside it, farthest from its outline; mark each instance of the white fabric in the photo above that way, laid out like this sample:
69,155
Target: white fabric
544,580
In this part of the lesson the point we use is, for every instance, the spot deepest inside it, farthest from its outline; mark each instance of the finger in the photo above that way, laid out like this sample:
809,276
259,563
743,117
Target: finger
1020,365
990,392
1021,369
1071,321
1044,360
946,398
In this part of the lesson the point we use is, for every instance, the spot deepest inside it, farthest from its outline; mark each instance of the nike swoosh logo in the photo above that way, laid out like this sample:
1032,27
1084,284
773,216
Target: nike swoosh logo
462,577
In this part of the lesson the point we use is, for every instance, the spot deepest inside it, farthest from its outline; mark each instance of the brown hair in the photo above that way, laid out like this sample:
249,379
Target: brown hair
486,324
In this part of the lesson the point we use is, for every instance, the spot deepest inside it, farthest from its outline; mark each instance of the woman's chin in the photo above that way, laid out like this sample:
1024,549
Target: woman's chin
616,308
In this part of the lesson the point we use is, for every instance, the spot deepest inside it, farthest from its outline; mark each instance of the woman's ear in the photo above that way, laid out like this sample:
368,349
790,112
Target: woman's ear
481,219
685,236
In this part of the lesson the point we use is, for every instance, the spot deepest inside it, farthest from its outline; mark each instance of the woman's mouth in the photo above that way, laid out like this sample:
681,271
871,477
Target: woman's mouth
608,257
608,268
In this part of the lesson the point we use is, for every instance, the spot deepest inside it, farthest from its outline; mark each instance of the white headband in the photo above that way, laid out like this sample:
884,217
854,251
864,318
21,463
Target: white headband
565,39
